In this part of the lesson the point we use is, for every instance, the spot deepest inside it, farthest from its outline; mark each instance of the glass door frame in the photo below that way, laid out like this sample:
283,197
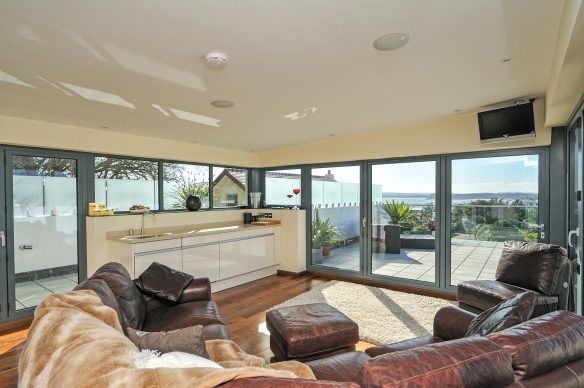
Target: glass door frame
543,195
306,184
3,247
82,199
577,124
438,222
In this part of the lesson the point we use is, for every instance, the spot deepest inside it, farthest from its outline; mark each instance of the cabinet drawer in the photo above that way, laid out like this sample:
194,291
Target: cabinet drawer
157,245
234,235
261,231
202,261
172,259
261,252
199,240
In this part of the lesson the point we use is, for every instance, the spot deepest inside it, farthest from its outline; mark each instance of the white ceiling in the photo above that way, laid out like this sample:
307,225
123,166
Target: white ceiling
285,57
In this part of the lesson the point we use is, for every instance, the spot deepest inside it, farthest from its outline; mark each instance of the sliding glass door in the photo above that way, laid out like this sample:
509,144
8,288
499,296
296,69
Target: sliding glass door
427,222
335,222
403,237
42,240
492,199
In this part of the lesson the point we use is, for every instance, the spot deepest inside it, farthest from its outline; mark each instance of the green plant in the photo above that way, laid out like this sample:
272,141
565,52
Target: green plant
396,212
531,235
186,187
325,233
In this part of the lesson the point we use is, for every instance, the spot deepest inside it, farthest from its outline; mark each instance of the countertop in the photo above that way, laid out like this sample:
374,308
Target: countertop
174,232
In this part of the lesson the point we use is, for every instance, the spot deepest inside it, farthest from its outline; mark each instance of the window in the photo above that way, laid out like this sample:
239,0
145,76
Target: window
121,183
283,187
336,221
182,180
229,187
403,226
493,199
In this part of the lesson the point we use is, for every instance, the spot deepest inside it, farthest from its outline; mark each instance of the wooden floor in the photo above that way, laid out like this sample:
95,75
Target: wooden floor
243,308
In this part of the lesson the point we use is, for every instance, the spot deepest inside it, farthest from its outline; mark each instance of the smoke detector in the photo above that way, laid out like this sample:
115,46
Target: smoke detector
216,60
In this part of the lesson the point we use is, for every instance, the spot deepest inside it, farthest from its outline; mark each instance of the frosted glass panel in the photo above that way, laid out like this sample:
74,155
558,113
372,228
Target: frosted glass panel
44,205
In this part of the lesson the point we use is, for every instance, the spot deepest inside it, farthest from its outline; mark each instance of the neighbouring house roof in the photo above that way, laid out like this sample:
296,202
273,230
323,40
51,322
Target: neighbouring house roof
236,176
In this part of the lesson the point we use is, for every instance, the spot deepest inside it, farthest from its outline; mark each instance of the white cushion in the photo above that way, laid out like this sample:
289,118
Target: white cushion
174,360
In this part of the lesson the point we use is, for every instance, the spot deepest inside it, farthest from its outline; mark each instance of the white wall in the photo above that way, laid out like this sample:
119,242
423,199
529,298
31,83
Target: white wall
456,133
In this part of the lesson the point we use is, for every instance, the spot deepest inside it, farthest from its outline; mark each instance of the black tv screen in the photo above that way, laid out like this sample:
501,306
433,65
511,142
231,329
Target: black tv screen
511,123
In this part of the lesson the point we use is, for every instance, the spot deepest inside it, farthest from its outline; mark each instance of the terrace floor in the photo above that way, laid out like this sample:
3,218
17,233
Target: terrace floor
471,260
31,293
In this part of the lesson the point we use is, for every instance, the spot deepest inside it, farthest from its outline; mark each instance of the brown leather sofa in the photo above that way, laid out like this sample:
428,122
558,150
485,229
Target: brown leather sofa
143,312
542,352
542,269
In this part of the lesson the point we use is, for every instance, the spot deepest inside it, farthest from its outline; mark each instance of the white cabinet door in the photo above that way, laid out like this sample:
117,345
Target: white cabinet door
170,258
233,258
202,261
261,252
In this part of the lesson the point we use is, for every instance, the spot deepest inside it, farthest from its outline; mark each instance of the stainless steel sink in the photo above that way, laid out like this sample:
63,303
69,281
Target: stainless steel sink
145,236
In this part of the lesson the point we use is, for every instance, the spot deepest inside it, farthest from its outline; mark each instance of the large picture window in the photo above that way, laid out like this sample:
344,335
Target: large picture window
182,180
283,187
493,199
121,183
229,187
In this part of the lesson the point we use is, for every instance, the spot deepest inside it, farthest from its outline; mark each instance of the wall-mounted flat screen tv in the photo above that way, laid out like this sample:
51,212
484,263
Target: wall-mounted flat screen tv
512,123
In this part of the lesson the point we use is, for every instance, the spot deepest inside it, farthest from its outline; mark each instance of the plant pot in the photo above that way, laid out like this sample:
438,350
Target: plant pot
392,238
316,256
326,250
193,203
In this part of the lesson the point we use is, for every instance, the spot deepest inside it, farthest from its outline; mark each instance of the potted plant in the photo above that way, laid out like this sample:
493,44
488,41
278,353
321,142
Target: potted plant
395,213
324,237
187,189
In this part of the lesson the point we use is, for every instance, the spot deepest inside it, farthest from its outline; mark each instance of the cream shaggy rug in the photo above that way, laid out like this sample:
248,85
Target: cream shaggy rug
384,316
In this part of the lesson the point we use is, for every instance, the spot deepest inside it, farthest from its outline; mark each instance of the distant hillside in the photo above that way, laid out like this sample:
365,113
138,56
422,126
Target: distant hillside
469,196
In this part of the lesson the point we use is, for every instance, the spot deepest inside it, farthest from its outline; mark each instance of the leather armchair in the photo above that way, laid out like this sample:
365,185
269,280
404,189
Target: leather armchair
542,269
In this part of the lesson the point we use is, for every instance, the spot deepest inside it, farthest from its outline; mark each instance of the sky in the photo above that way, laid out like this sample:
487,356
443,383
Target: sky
477,175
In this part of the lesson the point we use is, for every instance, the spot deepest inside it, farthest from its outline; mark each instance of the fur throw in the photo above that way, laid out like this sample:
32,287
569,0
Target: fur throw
76,341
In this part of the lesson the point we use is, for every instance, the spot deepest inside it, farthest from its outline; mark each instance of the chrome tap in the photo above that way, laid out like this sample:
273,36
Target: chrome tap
142,229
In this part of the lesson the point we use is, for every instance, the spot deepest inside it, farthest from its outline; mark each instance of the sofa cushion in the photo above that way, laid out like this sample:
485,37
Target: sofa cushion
215,331
183,315
340,367
508,313
543,343
265,382
466,362
402,345
484,294
163,282
567,376
127,294
100,287
186,340
534,266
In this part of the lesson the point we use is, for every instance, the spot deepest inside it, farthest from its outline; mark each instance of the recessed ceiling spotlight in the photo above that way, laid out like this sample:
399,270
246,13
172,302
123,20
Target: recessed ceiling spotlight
104,126
508,59
222,103
194,141
457,110
331,134
216,60
391,41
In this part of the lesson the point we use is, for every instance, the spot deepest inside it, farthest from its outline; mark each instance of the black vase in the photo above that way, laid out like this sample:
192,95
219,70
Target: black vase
193,203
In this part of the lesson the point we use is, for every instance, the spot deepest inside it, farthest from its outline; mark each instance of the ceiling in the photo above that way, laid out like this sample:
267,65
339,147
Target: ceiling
298,71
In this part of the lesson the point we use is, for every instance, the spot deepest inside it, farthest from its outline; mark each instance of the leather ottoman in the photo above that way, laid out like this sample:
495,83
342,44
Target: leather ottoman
311,331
